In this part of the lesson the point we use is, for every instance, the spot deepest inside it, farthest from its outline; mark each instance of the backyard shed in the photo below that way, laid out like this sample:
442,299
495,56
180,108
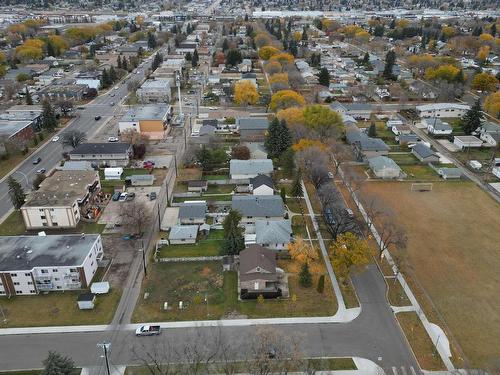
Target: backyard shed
140,180
100,287
86,301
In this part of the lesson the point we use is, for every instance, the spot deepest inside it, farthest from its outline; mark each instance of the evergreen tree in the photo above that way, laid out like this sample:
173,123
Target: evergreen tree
278,138
151,40
119,62
49,120
493,29
105,78
321,284
234,241
124,63
233,57
366,58
293,48
392,25
56,364
112,74
16,192
188,56
390,60
472,119
195,59
324,77
296,190
225,45
29,99
305,277
372,130
50,49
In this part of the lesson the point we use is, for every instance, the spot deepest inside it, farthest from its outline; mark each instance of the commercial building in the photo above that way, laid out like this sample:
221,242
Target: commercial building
155,91
149,120
33,264
61,200
446,110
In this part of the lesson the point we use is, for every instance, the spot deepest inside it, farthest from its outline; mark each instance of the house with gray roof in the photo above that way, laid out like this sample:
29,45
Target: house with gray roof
103,154
436,126
34,264
357,110
258,207
384,167
273,234
246,169
192,213
366,147
252,129
449,173
424,153
183,234
408,139
261,185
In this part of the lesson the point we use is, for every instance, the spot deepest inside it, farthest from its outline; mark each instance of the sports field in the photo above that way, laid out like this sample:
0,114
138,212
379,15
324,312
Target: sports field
454,253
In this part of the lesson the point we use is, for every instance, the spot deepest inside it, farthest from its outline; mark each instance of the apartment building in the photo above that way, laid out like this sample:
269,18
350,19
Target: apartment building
33,264
446,110
150,120
61,200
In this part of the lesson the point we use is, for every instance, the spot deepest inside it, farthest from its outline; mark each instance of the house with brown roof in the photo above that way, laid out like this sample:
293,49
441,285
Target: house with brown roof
258,274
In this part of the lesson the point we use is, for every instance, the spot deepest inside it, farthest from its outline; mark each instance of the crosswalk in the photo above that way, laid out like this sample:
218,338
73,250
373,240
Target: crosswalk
402,371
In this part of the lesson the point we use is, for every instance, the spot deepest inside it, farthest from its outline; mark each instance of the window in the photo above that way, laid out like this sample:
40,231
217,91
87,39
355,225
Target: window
30,283
56,279
44,224
73,270
44,271
27,274
55,224
2,292
43,217
16,283
32,291
40,209
13,274
58,287
54,270
19,292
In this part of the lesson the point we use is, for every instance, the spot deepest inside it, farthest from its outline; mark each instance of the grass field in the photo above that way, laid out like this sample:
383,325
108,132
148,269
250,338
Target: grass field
452,253
55,309
208,246
191,282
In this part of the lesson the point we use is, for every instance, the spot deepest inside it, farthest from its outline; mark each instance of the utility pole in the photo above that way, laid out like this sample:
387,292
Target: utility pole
143,251
105,347
178,81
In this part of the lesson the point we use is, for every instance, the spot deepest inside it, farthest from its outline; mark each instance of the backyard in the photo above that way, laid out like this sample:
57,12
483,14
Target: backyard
452,259
206,246
192,282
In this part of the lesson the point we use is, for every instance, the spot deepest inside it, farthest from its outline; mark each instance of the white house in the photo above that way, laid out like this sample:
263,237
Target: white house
442,110
436,126
33,264
492,139
261,185
246,169
464,141
113,173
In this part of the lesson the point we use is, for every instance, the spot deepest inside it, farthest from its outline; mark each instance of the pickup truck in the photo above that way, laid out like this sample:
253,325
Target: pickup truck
147,330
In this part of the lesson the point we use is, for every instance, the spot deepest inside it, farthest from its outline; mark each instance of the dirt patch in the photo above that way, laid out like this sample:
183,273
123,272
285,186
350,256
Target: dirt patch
452,253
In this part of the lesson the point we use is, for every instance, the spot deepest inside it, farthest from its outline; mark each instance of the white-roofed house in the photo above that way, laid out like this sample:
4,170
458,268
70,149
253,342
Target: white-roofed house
442,110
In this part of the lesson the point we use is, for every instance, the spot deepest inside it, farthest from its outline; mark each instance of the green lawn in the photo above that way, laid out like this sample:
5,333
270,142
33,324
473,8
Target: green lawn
299,226
404,159
420,172
57,308
216,177
207,197
191,281
295,203
209,246
220,189
474,154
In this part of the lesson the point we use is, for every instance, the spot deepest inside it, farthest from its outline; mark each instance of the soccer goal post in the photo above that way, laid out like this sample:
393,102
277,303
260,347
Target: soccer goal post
421,186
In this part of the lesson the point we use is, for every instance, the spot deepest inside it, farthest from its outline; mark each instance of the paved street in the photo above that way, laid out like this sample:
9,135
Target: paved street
51,152
373,334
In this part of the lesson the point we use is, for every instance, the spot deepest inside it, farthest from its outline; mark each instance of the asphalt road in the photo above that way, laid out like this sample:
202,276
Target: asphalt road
374,335
51,152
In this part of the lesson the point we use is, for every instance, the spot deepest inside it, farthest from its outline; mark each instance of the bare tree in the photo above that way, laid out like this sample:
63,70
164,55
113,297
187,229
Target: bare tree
134,216
133,137
391,234
133,85
336,218
73,138
65,106
314,162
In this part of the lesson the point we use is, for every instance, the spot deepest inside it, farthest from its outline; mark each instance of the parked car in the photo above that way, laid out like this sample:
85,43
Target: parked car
152,196
37,160
123,197
349,212
113,139
41,171
116,196
97,118
147,330
55,139
112,104
130,196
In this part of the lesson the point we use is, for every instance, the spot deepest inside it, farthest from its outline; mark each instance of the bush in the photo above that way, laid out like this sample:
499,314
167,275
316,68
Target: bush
305,277
321,284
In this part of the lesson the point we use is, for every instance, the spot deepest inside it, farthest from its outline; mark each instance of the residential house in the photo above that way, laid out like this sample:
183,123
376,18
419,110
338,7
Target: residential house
489,132
245,66
422,89
446,110
356,110
384,167
183,234
491,139
436,126
245,169
465,141
261,185
258,207
408,139
34,264
149,120
197,186
154,91
258,273
273,234
401,129
366,147
61,200
252,129
192,213
103,154
424,153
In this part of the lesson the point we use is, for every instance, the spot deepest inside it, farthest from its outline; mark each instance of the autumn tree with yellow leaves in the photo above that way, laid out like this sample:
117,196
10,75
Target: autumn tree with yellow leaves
302,251
349,251
492,104
484,82
245,93
266,52
286,99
